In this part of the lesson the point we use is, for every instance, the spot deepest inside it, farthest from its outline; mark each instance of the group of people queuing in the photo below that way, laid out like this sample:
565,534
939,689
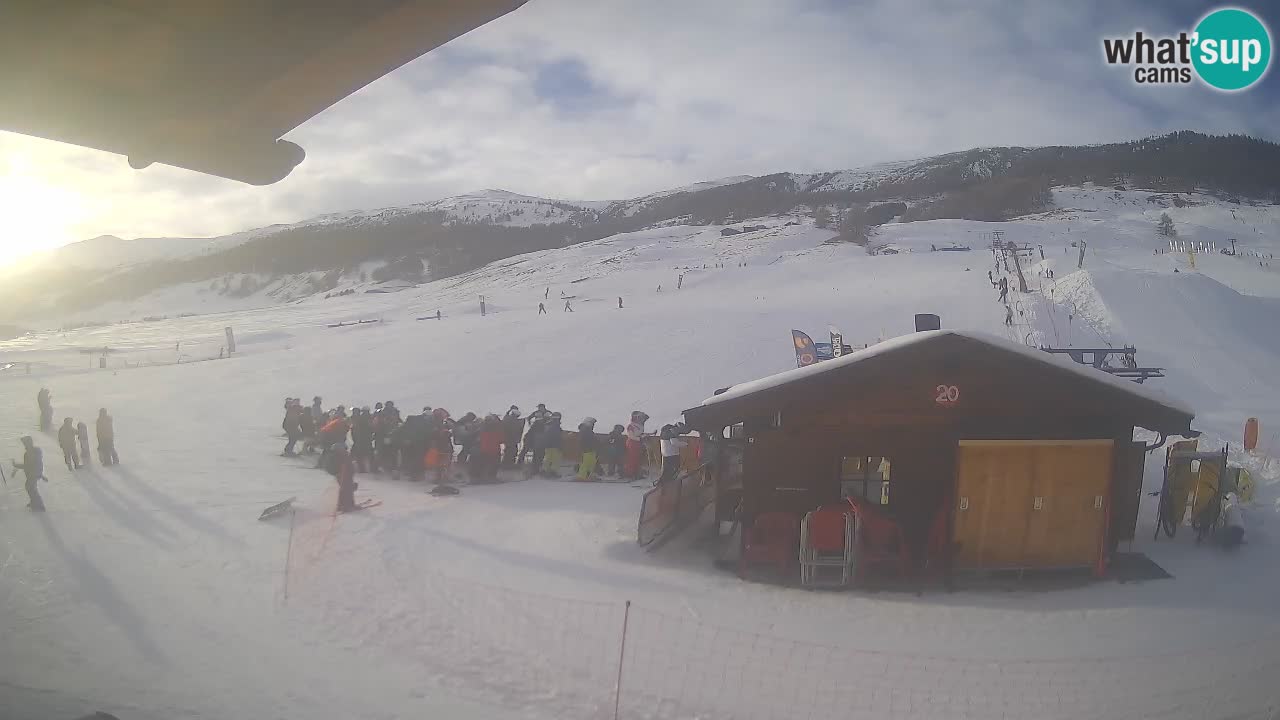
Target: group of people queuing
433,444
73,440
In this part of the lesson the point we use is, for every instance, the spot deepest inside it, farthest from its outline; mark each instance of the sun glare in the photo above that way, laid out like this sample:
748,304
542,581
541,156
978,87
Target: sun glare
35,214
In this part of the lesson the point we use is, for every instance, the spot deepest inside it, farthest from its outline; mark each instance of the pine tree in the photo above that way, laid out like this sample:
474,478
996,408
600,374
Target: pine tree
1165,226
822,217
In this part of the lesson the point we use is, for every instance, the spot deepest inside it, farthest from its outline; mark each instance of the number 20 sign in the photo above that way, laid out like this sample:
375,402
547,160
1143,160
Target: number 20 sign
946,395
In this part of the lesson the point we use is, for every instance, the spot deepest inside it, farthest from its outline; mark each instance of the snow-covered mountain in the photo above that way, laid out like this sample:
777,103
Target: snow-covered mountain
407,244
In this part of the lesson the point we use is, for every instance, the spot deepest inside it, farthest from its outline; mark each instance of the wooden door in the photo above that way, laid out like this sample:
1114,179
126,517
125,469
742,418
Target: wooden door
1072,482
991,506
1024,504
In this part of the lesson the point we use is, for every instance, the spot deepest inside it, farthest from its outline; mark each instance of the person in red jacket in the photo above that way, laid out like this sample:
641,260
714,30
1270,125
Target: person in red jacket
346,477
488,449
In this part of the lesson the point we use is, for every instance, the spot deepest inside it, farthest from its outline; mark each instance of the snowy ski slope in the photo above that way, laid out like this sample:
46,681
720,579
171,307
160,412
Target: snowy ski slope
151,590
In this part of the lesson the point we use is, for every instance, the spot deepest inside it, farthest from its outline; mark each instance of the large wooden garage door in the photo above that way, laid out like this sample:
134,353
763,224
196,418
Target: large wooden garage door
1028,504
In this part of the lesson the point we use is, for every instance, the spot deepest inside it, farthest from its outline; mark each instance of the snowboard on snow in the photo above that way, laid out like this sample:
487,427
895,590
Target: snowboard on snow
277,509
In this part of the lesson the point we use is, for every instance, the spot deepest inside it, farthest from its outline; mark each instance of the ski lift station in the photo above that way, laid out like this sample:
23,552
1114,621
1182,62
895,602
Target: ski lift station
931,453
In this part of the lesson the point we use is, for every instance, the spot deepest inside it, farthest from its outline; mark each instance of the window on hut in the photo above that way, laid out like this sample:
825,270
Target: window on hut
866,477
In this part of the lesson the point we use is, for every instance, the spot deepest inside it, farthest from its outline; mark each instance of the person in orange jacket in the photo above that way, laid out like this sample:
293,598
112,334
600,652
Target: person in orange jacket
488,449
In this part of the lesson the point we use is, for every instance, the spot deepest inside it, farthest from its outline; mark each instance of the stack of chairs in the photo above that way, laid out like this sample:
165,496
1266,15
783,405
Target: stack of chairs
828,539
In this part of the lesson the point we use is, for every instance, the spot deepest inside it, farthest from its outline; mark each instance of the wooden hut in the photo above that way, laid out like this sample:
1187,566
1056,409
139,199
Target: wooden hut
987,454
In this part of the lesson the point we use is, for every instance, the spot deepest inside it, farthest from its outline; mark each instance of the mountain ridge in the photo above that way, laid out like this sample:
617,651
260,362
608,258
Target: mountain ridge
447,236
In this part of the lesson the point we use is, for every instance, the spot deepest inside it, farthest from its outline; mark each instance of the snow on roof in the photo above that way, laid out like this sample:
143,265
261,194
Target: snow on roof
1058,361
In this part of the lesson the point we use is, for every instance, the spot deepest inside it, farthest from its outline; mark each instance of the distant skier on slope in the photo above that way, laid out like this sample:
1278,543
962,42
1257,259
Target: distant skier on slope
67,441
33,467
542,309
1008,316
567,306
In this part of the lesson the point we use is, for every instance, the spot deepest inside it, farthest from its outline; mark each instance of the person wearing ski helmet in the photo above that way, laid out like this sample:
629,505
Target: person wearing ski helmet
552,442
512,424
588,443
671,446
615,446
635,444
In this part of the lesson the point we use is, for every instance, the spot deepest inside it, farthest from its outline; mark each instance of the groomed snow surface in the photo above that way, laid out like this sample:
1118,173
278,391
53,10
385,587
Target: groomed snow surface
152,591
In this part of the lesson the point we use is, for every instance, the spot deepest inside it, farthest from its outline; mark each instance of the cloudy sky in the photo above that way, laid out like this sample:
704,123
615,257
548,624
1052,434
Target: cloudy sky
601,99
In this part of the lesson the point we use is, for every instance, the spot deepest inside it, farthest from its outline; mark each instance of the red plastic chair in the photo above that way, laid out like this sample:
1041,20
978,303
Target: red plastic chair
881,542
772,540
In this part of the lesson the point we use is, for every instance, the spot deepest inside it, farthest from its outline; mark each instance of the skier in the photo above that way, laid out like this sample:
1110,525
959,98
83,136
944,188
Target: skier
991,279
307,426
384,438
346,475
567,307
362,440
619,302
512,424
552,441
409,441
532,438
1008,316
588,442
317,412
671,447
615,445
67,441
33,467
331,433
680,282
542,309
106,428
82,437
45,400
464,435
439,443
635,444
547,294
292,425
1004,290
437,314
488,449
